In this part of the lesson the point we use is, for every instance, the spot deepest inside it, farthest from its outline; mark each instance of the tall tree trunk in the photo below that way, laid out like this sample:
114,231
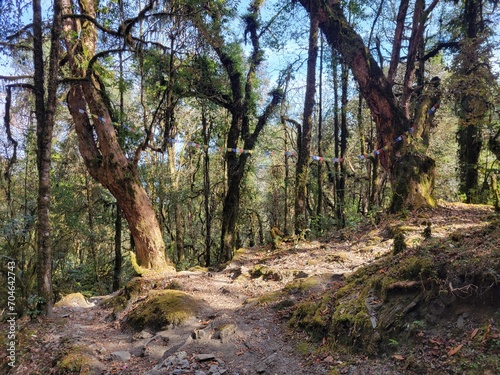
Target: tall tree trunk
471,97
469,147
319,204
389,117
230,209
117,269
45,118
304,153
341,146
90,223
206,189
100,148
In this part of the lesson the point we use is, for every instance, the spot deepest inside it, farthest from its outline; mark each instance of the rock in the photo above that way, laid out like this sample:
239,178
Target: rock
225,332
162,335
138,350
154,351
120,356
204,357
142,335
73,300
462,320
266,364
205,333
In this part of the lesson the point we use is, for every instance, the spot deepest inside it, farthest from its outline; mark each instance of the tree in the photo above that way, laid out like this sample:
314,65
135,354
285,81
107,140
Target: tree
304,152
45,110
89,105
411,172
471,87
240,102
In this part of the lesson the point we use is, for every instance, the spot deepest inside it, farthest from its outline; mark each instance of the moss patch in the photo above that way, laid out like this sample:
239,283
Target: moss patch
162,309
76,360
382,303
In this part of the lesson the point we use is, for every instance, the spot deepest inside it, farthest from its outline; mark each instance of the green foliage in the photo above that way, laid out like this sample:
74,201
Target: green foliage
34,306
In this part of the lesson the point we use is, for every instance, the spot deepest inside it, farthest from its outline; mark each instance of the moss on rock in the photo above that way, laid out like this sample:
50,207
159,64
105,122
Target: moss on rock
164,308
77,360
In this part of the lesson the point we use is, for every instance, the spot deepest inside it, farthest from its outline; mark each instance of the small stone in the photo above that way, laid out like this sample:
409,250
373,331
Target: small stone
200,334
120,356
204,357
225,332
142,335
162,337
266,364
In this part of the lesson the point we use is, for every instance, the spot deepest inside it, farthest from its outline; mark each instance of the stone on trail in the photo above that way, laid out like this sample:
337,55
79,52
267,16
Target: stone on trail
204,357
120,356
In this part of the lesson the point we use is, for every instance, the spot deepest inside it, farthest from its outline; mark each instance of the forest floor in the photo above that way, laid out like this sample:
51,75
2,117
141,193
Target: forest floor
241,323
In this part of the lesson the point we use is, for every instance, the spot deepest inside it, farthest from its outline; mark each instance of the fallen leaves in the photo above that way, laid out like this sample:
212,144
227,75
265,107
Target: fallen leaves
474,333
455,350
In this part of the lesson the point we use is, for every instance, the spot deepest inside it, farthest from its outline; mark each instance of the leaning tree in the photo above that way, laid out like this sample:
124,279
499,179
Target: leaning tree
411,171
91,109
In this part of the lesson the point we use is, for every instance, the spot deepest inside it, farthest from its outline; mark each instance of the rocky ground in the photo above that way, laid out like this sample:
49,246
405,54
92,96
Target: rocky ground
242,324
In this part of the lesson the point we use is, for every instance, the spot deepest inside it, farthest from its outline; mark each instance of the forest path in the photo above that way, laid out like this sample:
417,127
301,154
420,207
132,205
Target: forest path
242,330
255,338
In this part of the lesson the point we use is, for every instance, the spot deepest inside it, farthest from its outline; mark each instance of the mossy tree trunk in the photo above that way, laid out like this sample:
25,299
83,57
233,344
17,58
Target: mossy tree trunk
99,145
390,117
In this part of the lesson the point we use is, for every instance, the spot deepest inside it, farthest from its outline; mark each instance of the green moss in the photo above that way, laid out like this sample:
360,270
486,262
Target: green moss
138,269
164,308
303,285
416,267
118,303
308,316
75,361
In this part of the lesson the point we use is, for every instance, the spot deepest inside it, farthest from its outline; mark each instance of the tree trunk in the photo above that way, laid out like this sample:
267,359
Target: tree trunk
469,148
118,250
472,98
101,151
414,182
206,189
304,153
230,213
340,149
319,203
241,105
45,116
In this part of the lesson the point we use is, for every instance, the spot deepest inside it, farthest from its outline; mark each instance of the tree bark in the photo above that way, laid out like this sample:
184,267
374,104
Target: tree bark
304,152
206,189
117,269
100,148
45,118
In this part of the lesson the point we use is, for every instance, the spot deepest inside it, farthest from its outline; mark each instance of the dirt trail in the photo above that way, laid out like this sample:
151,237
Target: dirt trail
256,341
241,330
